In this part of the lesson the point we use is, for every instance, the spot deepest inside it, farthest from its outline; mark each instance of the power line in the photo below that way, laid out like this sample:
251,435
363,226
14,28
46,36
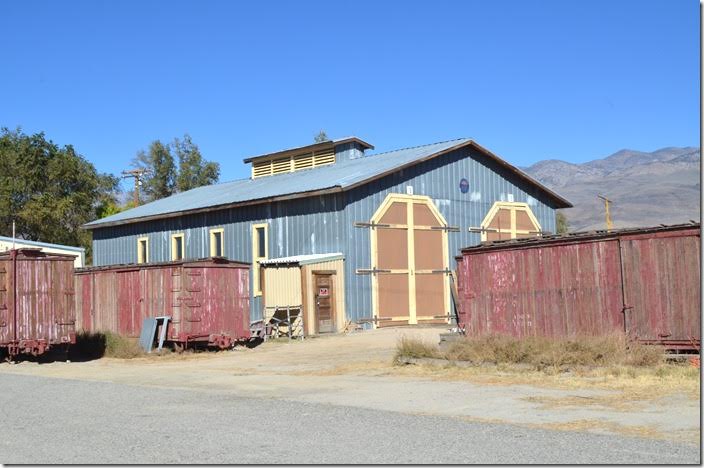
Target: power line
137,174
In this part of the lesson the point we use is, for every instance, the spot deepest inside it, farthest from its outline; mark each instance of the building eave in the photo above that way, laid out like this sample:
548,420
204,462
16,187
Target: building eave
224,206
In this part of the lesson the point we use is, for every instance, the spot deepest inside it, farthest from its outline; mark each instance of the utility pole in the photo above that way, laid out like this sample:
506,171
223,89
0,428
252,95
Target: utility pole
137,174
607,202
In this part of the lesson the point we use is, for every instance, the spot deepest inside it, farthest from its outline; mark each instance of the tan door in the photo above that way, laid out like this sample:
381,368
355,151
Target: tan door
409,253
324,303
430,260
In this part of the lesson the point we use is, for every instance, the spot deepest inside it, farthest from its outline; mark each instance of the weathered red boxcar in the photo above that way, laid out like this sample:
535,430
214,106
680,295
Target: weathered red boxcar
36,301
644,282
207,299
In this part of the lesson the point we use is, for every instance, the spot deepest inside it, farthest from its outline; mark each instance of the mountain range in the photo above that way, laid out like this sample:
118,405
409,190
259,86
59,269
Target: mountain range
647,189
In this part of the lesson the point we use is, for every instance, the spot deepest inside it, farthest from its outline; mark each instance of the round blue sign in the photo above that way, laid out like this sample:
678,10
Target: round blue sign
464,186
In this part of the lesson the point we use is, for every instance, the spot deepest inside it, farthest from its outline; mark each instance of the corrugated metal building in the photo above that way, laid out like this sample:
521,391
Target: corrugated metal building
397,217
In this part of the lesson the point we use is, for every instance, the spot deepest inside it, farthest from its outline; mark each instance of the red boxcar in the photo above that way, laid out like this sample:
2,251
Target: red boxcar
36,301
207,299
644,282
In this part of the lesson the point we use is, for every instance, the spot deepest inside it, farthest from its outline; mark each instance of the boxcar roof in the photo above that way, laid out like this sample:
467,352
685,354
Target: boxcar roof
343,175
220,262
582,236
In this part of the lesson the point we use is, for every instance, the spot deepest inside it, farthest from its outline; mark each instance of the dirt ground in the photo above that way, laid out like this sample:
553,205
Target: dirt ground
356,370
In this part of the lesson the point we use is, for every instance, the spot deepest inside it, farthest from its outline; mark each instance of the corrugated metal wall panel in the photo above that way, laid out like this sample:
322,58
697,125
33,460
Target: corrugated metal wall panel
440,180
324,224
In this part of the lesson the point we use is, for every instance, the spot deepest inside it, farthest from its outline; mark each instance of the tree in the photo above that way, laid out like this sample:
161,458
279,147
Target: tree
159,181
563,225
163,178
321,137
49,191
193,170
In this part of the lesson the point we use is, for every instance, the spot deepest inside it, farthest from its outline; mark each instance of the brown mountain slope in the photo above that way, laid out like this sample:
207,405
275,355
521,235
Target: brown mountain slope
648,189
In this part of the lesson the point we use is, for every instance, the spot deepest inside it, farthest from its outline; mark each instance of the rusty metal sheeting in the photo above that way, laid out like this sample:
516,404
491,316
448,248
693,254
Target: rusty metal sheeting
644,282
36,301
208,299
579,236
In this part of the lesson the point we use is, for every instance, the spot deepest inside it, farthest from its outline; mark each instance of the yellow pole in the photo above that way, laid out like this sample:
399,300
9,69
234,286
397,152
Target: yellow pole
609,224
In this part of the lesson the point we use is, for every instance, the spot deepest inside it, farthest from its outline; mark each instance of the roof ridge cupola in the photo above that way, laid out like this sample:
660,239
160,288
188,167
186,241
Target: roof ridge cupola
308,157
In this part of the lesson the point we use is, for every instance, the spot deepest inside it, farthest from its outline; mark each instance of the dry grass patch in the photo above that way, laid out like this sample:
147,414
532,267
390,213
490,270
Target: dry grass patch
556,353
415,348
538,353
122,347
96,345
614,401
638,372
591,425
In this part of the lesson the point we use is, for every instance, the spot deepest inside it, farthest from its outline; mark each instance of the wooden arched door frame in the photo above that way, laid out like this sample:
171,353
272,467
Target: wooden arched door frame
511,227
411,227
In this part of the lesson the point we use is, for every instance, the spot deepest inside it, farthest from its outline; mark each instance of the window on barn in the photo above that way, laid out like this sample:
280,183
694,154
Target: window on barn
177,246
260,251
510,220
143,250
216,243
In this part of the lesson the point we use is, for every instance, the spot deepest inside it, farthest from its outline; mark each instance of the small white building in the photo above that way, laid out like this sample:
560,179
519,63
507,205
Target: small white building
78,252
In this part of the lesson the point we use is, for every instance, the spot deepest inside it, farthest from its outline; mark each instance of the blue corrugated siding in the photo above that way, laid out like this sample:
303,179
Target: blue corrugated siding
324,224
347,151
439,179
310,225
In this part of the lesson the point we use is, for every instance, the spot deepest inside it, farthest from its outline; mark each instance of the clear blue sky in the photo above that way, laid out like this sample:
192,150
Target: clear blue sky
530,80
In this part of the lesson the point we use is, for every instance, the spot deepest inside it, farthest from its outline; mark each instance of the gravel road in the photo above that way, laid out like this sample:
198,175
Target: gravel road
70,421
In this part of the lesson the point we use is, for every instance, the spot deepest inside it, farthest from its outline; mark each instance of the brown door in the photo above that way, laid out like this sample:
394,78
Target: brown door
393,282
324,303
410,256
429,270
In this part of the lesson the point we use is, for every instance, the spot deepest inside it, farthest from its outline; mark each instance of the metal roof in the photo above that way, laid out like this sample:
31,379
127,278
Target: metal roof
303,259
581,236
42,244
343,175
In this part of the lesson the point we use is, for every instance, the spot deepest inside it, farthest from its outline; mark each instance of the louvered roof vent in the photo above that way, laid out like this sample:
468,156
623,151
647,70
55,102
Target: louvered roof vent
306,157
